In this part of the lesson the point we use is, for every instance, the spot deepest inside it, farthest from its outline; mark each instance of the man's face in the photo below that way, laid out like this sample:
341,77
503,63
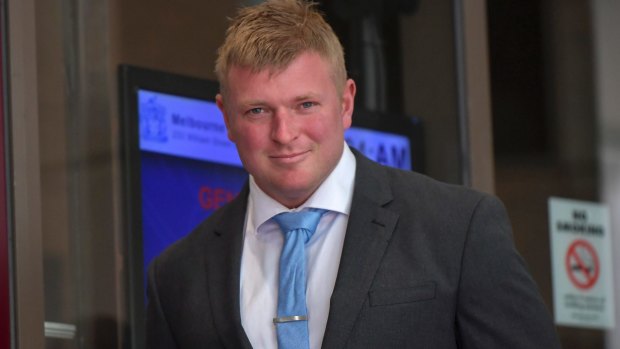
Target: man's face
288,125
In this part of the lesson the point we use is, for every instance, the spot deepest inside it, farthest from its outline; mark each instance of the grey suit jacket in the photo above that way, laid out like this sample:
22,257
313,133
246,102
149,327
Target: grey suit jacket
424,265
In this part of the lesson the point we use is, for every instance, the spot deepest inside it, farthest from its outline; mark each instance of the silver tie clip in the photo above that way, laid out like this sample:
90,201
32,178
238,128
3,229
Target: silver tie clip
278,320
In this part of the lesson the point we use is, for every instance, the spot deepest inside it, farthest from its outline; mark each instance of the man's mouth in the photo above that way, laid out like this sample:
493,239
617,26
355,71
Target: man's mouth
286,157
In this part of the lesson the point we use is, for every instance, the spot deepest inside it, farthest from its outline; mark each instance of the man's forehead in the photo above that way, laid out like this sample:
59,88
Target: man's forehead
308,65
270,70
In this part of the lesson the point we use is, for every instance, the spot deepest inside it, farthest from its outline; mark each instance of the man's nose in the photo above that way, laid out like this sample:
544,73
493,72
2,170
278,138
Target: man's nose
283,128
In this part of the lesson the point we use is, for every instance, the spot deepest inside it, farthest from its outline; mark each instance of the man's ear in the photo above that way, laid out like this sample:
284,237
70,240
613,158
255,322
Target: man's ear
348,103
219,101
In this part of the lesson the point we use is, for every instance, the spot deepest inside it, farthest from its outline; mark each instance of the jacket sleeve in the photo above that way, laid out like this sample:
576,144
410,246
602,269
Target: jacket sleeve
158,333
498,305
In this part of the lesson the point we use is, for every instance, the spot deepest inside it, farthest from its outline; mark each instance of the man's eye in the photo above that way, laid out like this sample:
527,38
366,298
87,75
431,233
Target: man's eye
256,111
306,105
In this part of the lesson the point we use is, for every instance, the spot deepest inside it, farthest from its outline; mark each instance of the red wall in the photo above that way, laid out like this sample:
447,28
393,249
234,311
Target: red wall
5,320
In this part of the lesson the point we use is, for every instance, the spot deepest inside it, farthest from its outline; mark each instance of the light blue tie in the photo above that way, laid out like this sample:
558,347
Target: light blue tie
292,321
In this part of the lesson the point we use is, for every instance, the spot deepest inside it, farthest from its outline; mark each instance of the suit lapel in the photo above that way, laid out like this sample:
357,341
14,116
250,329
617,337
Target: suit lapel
223,266
369,230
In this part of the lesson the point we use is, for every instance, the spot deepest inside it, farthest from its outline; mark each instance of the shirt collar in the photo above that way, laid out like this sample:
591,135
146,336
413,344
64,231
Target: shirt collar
334,194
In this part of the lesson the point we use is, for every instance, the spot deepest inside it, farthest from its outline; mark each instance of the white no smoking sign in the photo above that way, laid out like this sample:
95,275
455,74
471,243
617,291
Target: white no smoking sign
581,260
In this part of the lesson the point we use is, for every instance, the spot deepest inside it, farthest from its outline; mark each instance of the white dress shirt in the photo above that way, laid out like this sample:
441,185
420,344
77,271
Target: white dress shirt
261,255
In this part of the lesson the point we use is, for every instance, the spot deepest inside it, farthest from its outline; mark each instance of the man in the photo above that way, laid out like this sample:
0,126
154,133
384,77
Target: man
397,261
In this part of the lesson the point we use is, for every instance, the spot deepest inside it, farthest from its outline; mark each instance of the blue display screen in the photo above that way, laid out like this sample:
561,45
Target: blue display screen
189,168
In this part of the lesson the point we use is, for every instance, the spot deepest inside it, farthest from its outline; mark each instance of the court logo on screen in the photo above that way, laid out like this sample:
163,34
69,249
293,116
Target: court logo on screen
153,125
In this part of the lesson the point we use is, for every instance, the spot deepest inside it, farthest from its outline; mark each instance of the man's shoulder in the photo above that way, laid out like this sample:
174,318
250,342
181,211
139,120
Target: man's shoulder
423,183
415,186
190,248
187,249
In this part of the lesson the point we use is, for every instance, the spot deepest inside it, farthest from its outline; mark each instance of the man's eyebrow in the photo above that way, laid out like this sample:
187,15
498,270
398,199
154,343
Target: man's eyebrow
310,95
252,102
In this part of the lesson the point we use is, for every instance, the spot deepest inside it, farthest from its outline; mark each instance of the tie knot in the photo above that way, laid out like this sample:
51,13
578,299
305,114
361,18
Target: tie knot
306,219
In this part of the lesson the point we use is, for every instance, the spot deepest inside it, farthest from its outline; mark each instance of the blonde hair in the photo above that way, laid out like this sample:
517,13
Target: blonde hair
272,34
